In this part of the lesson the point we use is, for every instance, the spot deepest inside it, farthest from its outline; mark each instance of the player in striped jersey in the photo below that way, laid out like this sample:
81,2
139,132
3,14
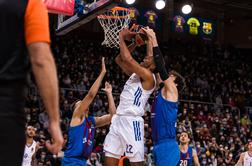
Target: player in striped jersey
82,126
188,155
127,128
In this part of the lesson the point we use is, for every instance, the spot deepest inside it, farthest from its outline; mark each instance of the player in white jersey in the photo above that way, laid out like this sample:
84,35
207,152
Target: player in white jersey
30,147
246,157
126,135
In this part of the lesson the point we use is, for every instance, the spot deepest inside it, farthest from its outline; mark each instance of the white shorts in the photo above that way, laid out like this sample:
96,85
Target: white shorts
126,135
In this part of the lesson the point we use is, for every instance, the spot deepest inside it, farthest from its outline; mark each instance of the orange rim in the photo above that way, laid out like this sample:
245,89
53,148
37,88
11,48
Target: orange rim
111,17
117,8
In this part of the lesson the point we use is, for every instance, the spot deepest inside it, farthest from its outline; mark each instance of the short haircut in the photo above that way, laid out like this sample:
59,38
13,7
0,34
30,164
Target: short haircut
180,80
188,134
72,107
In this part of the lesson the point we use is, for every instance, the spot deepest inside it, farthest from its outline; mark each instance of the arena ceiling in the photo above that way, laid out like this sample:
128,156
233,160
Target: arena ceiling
242,4
231,8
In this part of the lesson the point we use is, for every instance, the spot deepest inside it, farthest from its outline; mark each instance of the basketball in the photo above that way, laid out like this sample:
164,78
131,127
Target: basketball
142,35
140,39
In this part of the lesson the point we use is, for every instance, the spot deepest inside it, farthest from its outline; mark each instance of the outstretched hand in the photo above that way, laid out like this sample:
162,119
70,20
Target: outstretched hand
126,34
107,88
103,66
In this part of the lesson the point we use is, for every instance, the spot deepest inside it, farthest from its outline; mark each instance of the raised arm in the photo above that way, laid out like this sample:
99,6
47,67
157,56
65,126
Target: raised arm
155,50
170,91
108,90
106,119
81,110
149,48
119,60
137,42
195,158
130,63
240,161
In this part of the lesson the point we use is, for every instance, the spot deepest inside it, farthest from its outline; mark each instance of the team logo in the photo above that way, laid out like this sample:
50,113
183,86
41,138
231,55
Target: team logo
84,140
188,156
89,142
207,28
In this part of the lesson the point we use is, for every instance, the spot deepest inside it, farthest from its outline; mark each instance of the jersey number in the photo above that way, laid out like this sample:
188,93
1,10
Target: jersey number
128,148
183,163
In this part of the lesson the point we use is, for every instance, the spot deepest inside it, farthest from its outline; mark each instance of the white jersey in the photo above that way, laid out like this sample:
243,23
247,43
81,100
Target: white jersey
133,97
28,153
247,160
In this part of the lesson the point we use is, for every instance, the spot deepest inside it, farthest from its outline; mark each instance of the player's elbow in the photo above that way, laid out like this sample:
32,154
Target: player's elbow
127,61
112,112
40,54
125,57
110,118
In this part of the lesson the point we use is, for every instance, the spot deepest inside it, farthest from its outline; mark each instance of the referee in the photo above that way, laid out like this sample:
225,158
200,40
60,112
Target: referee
25,42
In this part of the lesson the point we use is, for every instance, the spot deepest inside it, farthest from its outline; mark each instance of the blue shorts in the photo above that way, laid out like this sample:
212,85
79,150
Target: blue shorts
166,153
71,161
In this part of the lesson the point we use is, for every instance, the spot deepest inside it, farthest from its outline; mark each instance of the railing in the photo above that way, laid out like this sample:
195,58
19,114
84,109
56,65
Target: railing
249,109
33,90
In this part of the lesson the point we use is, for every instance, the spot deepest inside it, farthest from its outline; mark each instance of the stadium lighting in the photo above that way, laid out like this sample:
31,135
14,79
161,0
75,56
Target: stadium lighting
130,2
186,9
160,4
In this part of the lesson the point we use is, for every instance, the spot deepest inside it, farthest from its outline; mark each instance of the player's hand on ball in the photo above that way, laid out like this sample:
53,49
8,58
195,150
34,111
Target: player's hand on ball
126,34
107,88
103,66
140,37
150,34
134,28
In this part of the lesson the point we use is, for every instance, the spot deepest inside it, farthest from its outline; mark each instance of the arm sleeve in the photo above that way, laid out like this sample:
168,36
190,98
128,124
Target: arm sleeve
160,63
36,22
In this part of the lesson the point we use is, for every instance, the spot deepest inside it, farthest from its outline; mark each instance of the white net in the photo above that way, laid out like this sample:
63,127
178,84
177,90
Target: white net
112,22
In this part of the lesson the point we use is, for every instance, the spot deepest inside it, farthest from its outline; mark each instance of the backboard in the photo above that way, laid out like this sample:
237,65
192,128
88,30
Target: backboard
67,24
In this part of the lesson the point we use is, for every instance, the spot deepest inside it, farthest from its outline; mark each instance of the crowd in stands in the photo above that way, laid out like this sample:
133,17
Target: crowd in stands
211,108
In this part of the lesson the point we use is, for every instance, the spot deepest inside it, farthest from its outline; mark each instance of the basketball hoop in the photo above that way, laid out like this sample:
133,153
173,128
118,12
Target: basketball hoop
112,22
